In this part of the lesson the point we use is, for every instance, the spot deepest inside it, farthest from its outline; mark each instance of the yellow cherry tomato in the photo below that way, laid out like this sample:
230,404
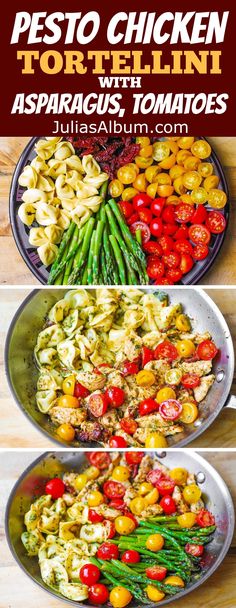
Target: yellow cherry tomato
168,162
185,143
179,186
152,497
143,141
68,401
164,190
211,182
189,413
68,385
124,525
165,393
151,172
163,179
186,198
154,594
144,488
176,581
116,188
173,376
155,542
191,163
172,200
161,150
128,193
187,520
205,169
80,481
217,199
199,196
152,190
121,473
66,432
156,440
137,505
173,147
120,597
142,162
146,151
182,323
181,156
176,171
191,180
201,149
126,174
95,498
191,493
185,348
140,182
145,378
92,472
179,475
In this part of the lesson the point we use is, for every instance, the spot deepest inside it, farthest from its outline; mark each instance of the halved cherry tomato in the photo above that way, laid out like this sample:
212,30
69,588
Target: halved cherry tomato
155,267
147,406
107,551
183,246
113,489
117,503
89,574
141,200
130,368
156,573
81,391
134,457
195,550
130,557
170,409
184,213
94,517
186,263
110,528
174,275
101,460
200,251
98,404
165,485
154,475
166,350
166,243
116,441
157,206
147,355
115,396
145,231
128,425
98,594
205,518
216,222
152,247
199,234
190,381
181,233
132,219
145,215
55,487
168,505
207,350
168,214
156,227
172,259
199,216
126,208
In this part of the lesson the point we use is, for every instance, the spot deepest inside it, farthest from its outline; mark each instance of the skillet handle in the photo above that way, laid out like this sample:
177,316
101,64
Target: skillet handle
231,402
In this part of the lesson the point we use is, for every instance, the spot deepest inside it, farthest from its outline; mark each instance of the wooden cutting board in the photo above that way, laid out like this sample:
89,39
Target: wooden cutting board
13,270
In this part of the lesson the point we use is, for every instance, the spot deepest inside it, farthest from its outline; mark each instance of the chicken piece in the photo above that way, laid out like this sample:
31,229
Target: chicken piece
154,422
145,466
92,431
181,505
151,339
74,416
146,392
69,499
107,512
142,433
115,378
201,391
151,511
159,368
190,479
129,495
110,420
82,495
168,314
197,506
184,395
90,380
132,346
200,368
128,438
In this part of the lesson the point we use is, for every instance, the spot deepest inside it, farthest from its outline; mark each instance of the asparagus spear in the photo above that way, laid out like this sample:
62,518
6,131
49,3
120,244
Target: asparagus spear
64,242
84,250
74,240
130,241
97,246
118,258
90,259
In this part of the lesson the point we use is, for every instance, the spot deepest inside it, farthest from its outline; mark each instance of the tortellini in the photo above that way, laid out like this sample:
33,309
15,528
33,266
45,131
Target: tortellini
60,188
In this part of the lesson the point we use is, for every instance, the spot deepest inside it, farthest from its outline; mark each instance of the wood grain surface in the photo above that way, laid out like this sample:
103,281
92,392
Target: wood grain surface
18,590
13,270
16,430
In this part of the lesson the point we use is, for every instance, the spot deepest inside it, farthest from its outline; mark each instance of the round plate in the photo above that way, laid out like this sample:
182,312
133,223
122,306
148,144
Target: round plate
29,253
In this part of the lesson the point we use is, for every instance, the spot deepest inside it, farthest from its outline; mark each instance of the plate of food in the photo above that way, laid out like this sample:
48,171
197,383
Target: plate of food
122,528
119,210
120,367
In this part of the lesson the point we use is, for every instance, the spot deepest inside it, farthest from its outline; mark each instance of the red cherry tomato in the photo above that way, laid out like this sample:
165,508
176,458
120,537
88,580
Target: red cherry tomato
207,350
94,517
165,485
145,231
98,404
156,226
199,216
172,259
152,247
116,441
200,251
170,409
108,551
183,246
130,557
147,355
156,573
134,457
166,350
205,518
98,594
154,476
181,233
168,505
169,229
198,233
55,487
155,267
132,219
115,396
101,460
186,263
166,243
126,208
157,206
184,213
113,489
117,503
141,200
147,406
195,550
190,381
145,215
174,275
110,528
162,281
215,222
168,214
89,574
130,368
81,391
128,425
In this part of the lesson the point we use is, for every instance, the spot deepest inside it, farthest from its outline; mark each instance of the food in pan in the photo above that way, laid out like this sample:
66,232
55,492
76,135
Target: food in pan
121,367
125,527
121,210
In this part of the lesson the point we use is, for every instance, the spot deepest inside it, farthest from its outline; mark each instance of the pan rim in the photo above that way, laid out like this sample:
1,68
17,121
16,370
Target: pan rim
213,472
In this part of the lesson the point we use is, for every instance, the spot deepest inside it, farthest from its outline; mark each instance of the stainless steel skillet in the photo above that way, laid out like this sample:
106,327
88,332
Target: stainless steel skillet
216,495
28,321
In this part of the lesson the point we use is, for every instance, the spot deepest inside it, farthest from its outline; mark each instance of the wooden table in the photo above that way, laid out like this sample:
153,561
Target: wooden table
13,270
16,430
18,590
